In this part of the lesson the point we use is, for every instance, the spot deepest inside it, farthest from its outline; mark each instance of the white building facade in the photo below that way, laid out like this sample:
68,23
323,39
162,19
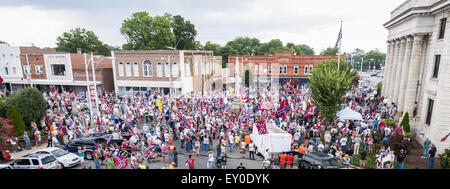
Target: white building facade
10,66
417,72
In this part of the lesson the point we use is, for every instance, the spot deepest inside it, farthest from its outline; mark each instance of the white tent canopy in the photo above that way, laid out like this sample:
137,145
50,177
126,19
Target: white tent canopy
349,114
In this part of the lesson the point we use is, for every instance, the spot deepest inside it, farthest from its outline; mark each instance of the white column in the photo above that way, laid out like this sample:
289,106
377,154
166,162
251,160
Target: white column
399,69
404,74
388,56
413,73
389,69
393,71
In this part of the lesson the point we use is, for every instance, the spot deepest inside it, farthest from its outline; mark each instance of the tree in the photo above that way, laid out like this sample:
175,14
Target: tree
379,87
377,56
2,42
269,47
247,78
328,84
185,33
244,45
6,131
301,49
16,120
84,39
144,32
329,51
30,103
212,47
405,123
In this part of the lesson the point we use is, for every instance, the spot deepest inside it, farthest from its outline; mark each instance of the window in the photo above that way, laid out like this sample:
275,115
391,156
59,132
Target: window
442,25
159,69
23,162
59,69
196,68
261,69
296,69
128,69
281,69
429,111
203,67
175,69
39,70
285,69
6,71
35,162
306,69
27,69
148,69
121,69
311,69
269,69
437,61
208,69
136,69
256,69
14,71
188,68
167,70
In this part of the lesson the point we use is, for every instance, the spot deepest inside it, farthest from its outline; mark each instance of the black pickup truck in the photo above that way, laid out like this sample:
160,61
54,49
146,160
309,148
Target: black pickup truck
73,145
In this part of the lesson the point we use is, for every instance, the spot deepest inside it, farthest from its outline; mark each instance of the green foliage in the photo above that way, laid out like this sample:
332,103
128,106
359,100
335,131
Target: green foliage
329,51
16,120
328,84
247,78
358,55
379,87
444,159
405,123
301,49
144,32
185,34
2,42
30,103
84,39
390,123
3,109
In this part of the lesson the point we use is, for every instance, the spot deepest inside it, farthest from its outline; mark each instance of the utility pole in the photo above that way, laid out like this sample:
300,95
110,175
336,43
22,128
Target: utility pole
88,93
95,84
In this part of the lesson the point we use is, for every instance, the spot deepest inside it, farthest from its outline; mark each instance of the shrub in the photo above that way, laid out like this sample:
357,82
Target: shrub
16,120
6,131
444,159
30,103
390,123
405,123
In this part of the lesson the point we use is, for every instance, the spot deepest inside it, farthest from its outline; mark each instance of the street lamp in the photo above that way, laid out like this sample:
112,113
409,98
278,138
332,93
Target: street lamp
86,63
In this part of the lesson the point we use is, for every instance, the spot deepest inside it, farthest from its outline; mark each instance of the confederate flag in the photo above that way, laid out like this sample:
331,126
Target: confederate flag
261,126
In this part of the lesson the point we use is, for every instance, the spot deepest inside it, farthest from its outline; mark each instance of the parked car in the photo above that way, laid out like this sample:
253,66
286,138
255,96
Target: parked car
36,161
320,160
73,145
5,166
65,158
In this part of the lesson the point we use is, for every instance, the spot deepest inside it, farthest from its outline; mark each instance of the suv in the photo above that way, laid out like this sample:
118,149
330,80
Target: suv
320,160
89,143
36,161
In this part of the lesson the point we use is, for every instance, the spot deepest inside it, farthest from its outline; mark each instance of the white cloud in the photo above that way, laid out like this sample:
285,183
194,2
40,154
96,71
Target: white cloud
26,25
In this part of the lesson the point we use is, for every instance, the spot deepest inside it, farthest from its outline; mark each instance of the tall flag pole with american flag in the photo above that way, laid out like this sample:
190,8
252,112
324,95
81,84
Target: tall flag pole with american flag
338,42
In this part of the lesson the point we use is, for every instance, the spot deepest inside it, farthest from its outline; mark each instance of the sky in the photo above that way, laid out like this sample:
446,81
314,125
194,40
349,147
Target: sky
312,22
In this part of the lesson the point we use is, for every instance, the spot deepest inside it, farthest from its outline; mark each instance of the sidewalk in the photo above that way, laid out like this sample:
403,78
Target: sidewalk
18,154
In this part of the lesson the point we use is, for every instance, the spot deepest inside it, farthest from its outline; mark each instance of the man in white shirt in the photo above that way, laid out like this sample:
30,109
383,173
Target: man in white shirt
231,140
297,137
251,150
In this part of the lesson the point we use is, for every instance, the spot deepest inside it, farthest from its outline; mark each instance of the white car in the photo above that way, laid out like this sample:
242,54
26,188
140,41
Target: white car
5,166
65,158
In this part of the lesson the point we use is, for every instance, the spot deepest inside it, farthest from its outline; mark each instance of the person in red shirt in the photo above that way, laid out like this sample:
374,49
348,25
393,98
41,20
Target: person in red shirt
6,156
290,160
190,162
283,160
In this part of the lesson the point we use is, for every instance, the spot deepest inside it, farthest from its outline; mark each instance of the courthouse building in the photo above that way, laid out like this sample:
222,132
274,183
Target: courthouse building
417,67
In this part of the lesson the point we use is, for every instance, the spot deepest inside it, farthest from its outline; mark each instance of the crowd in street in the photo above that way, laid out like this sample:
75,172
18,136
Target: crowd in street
206,123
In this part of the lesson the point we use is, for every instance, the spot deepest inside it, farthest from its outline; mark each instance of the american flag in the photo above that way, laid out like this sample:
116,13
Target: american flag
339,38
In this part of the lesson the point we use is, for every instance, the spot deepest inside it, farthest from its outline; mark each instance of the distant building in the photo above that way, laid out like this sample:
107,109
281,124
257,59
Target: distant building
279,68
10,67
140,71
417,68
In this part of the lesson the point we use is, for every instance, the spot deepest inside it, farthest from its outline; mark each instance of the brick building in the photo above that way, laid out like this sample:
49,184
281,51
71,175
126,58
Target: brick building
279,68
140,71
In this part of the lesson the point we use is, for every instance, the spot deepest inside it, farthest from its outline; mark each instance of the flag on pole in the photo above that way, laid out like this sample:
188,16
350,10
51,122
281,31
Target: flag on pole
310,112
159,105
445,137
339,37
261,126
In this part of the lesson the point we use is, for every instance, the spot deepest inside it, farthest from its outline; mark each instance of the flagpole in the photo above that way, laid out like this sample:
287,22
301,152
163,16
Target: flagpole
340,43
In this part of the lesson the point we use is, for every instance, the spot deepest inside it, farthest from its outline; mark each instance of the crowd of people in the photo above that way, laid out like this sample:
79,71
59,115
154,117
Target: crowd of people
204,123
